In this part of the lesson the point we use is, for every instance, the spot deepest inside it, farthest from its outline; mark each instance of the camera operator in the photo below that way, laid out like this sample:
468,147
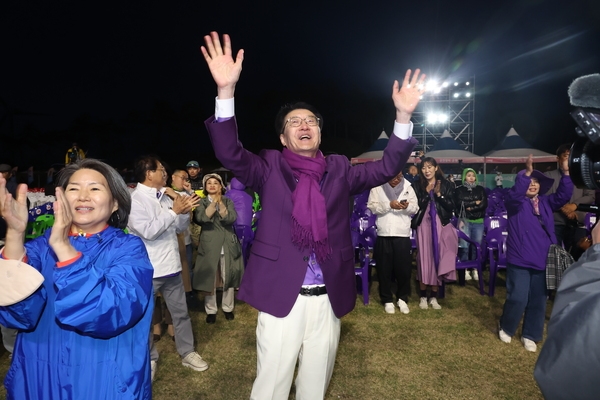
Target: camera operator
568,365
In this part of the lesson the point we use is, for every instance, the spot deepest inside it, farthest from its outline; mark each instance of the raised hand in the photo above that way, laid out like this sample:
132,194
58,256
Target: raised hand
564,165
529,165
408,95
225,71
63,221
14,211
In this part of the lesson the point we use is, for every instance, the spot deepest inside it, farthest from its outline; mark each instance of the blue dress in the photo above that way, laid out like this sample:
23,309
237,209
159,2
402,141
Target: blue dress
84,332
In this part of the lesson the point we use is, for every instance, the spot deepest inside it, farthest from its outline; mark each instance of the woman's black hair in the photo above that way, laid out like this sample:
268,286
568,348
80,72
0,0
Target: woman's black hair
439,174
116,186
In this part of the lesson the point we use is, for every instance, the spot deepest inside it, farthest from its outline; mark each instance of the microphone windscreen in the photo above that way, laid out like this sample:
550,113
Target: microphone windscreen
585,91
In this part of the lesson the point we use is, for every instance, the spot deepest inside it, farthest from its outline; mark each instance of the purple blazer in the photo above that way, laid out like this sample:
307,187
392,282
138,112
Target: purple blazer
276,268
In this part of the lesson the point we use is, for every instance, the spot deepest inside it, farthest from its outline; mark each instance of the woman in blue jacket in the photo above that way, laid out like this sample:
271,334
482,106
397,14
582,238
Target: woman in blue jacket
530,234
84,331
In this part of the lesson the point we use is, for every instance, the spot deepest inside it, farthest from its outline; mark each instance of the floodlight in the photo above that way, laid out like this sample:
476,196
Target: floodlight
445,84
467,83
468,94
456,95
455,83
436,118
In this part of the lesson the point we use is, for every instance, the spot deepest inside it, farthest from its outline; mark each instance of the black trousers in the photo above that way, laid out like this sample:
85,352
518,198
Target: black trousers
393,262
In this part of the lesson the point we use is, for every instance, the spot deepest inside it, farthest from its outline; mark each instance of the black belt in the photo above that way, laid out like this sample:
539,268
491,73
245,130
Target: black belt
313,291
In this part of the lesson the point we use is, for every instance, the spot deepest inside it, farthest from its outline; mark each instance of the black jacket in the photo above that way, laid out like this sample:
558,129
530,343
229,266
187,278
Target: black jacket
468,196
444,204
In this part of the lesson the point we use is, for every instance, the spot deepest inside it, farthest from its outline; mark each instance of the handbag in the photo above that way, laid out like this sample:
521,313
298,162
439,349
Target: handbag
463,221
417,219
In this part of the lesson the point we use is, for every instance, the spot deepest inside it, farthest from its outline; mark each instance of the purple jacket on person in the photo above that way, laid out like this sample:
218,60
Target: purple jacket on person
276,268
242,202
528,242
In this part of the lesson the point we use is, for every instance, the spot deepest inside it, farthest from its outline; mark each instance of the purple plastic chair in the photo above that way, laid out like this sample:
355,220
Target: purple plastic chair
363,233
496,248
477,263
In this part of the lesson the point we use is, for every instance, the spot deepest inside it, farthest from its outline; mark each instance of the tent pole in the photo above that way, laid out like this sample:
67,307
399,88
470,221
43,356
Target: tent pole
484,171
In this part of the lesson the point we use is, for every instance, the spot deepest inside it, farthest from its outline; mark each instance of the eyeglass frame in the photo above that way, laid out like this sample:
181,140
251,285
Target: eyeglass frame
184,179
302,120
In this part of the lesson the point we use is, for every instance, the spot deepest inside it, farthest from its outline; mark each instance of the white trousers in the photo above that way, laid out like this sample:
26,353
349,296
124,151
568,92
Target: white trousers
309,334
228,299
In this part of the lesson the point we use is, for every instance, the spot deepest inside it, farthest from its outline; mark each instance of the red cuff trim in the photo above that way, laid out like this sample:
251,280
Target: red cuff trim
69,262
25,258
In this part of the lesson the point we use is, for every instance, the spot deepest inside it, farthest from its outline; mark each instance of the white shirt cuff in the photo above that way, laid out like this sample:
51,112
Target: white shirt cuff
403,131
224,108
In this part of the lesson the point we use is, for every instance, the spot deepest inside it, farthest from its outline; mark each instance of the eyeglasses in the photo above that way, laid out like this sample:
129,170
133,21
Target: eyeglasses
182,177
297,121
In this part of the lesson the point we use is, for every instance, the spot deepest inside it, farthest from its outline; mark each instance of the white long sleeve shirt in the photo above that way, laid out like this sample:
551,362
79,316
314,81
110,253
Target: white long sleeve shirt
392,222
153,220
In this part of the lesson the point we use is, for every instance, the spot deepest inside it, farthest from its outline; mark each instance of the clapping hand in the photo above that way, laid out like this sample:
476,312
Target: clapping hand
63,220
184,204
14,212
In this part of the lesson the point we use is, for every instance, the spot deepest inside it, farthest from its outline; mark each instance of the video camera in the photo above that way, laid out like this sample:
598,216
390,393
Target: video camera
584,160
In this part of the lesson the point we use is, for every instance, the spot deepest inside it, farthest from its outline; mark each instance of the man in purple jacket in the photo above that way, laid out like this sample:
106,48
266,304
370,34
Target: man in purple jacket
300,274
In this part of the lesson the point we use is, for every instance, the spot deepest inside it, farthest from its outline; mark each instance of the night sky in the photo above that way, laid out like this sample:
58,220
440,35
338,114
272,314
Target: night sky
127,78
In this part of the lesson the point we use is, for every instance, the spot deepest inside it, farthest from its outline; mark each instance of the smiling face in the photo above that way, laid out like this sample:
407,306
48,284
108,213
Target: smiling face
90,200
304,139
213,186
428,171
156,178
534,188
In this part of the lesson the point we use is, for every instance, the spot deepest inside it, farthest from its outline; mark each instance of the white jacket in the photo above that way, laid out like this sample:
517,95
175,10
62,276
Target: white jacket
392,222
153,220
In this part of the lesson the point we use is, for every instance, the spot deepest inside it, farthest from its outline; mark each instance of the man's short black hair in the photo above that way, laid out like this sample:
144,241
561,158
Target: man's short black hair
562,149
287,108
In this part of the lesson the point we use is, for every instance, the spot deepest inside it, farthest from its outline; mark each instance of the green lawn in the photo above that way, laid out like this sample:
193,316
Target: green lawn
453,353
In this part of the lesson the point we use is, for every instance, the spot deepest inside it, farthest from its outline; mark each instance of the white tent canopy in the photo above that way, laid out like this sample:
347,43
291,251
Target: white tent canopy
503,154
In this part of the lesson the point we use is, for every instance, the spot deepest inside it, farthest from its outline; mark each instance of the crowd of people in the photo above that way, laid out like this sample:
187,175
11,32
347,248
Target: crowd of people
118,263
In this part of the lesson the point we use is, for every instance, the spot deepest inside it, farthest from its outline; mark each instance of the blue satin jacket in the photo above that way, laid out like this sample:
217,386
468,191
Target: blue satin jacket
84,333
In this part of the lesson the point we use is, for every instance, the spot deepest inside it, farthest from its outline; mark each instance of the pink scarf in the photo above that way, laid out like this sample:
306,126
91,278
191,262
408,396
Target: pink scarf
309,216
535,201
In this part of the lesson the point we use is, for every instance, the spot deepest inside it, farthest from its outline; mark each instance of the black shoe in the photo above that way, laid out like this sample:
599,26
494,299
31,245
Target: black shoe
211,318
229,315
156,338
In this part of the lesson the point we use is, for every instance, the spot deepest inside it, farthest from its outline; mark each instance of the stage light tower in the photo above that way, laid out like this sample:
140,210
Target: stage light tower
446,105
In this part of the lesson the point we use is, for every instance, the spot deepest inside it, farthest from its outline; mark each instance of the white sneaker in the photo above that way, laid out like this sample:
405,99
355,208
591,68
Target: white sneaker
152,369
434,304
504,336
403,307
475,275
389,308
467,275
423,303
195,362
529,344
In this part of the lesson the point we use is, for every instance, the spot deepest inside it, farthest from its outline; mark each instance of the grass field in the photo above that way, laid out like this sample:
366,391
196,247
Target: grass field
453,353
